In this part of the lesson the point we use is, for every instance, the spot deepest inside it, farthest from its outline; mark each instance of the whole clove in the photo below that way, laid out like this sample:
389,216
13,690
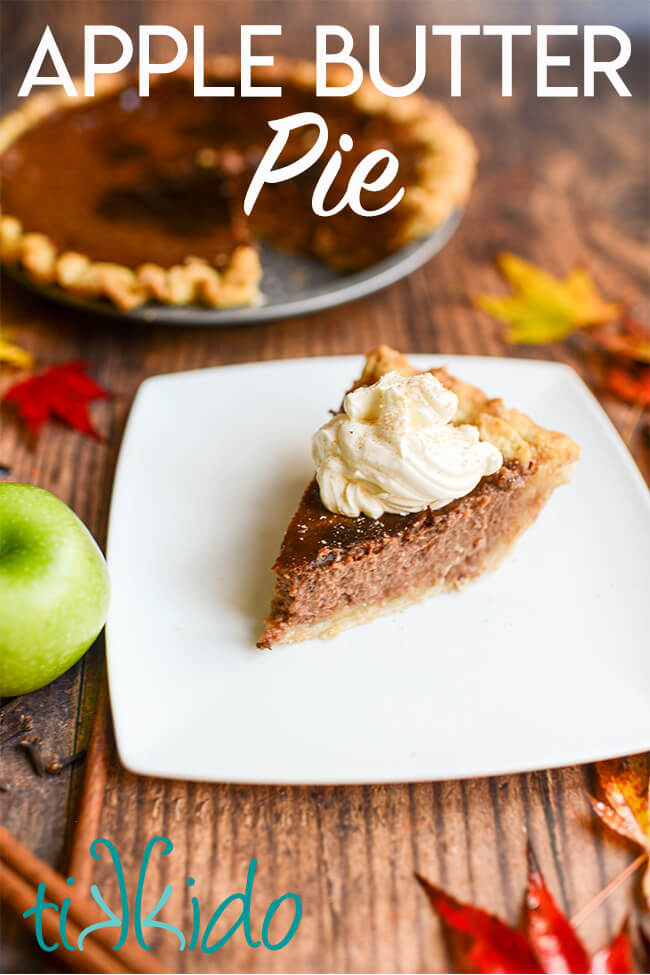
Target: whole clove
57,765
22,724
32,745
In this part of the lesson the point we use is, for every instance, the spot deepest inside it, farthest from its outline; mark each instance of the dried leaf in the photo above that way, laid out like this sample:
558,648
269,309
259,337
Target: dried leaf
549,943
544,308
62,391
629,383
14,355
626,808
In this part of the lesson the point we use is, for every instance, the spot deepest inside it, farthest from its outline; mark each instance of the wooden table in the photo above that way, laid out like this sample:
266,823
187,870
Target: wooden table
561,181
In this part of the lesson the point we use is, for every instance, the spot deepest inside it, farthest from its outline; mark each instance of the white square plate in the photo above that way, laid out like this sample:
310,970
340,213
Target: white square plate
542,663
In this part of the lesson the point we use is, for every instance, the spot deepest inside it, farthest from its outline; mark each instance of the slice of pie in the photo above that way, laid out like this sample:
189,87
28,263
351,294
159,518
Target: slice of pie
336,569
136,199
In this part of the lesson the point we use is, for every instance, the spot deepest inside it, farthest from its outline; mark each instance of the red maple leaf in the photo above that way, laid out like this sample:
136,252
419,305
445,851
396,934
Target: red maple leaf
547,943
487,942
62,391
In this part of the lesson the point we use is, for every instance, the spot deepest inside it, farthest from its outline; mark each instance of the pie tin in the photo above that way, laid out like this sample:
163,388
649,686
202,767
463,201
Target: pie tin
291,285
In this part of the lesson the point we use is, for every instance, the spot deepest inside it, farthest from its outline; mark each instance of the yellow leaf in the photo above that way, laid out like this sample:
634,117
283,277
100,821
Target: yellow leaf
543,308
13,355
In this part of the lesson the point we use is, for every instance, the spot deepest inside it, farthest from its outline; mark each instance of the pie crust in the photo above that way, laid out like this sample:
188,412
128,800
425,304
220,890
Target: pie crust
335,572
439,160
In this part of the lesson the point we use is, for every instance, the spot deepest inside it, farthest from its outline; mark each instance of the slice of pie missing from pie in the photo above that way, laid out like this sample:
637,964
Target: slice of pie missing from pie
375,530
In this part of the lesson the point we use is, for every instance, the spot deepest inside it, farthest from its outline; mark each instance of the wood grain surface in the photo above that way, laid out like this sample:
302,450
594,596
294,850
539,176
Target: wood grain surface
561,181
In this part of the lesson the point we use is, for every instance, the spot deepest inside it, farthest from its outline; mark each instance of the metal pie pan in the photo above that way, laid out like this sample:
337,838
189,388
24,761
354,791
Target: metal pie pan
291,285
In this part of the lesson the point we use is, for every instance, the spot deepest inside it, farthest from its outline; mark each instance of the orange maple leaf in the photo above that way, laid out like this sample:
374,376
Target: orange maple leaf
628,338
630,383
626,807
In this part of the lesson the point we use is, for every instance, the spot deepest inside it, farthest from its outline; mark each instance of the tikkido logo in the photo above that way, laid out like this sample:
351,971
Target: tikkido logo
123,919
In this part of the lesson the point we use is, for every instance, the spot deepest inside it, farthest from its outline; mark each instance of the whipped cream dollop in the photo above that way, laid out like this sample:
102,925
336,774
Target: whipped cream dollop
395,449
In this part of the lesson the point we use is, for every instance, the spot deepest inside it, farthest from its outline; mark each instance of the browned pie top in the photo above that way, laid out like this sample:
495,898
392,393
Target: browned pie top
316,535
130,180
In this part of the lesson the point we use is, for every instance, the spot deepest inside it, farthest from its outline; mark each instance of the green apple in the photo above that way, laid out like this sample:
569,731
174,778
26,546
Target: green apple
53,588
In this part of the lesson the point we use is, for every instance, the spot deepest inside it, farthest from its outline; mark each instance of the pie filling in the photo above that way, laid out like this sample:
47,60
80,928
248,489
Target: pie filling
329,562
131,180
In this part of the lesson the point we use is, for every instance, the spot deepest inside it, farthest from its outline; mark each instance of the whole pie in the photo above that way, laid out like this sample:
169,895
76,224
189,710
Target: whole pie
336,570
136,199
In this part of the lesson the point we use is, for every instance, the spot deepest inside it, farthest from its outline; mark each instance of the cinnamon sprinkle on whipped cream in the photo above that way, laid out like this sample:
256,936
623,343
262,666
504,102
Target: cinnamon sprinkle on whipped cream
395,449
